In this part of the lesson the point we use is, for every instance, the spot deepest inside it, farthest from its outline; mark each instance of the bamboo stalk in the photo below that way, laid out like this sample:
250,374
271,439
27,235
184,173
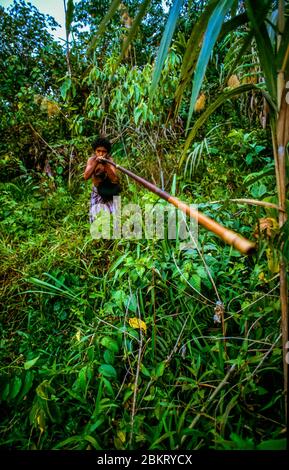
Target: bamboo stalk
229,236
281,139
281,124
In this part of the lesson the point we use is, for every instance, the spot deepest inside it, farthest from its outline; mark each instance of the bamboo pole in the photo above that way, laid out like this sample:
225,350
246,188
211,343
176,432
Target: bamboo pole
229,236
282,139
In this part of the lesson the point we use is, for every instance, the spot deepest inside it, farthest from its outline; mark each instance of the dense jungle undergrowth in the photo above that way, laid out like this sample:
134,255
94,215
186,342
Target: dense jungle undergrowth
134,343
77,370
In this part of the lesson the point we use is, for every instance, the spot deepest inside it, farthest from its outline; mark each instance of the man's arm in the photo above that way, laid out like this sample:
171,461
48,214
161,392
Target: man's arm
111,172
90,167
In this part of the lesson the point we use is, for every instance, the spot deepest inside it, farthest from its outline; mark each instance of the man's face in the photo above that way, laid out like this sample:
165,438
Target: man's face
101,152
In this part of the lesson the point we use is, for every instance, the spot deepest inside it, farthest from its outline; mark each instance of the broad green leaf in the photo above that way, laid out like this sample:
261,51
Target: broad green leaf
257,176
201,271
65,87
109,357
82,380
174,185
137,114
31,363
131,303
195,281
108,371
159,370
211,35
5,392
145,371
128,393
149,397
273,444
15,389
108,387
258,190
28,381
109,343
165,42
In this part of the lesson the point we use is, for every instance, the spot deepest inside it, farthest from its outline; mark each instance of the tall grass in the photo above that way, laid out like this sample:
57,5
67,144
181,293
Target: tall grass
78,371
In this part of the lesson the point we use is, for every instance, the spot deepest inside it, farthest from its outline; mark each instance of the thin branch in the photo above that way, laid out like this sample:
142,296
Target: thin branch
253,202
255,301
168,359
174,350
264,357
204,408
43,140
250,375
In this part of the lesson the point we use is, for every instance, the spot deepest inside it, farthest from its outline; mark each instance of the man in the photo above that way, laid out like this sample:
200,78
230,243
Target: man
104,178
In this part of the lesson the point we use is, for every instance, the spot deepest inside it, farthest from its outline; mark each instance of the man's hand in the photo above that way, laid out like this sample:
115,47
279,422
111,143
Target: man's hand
100,160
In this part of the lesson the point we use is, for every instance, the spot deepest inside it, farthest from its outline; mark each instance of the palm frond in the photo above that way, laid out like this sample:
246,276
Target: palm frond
195,157
211,35
165,42
233,24
239,51
257,15
112,9
191,52
134,27
227,94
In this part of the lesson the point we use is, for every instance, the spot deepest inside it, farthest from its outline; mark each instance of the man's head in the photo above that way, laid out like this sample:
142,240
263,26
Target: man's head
101,144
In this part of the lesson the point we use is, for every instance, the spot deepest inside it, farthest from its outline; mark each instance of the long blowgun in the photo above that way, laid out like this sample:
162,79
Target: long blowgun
229,236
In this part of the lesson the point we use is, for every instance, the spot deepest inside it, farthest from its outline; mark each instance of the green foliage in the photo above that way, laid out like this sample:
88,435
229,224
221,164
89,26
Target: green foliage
73,354
112,344
28,68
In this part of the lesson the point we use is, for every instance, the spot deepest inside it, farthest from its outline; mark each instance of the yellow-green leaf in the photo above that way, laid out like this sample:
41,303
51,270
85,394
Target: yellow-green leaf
136,323
31,363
